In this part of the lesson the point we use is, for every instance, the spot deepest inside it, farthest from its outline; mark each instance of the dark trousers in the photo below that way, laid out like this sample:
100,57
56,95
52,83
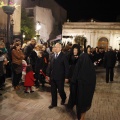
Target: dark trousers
2,80
72,96
16,79
55,84
8,70
17,74
39,79
109,74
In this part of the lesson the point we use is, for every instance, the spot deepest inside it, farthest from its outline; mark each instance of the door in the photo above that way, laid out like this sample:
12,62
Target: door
103,43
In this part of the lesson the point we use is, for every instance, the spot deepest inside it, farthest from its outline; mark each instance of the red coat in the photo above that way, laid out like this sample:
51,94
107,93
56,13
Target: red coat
29,79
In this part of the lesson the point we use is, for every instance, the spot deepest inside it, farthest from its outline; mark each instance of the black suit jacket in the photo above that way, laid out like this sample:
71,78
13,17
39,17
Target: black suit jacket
109,59
58,67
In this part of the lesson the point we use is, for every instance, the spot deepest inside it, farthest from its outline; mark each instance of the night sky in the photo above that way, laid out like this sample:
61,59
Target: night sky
101,10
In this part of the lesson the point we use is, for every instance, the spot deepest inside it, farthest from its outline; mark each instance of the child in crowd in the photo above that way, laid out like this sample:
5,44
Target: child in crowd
29,79
24,65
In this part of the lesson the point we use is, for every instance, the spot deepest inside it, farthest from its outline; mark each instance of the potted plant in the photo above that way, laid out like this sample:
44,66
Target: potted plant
8,9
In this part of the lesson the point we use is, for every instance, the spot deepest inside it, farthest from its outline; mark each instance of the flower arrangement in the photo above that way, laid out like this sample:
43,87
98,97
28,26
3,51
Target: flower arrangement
8,8
11,4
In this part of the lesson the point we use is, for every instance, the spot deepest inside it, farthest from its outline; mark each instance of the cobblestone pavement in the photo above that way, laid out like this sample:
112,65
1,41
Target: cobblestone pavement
16,105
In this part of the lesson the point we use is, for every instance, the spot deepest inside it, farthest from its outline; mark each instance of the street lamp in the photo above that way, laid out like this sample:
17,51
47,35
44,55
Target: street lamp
35,37
9,10
38,27
23,37
11,30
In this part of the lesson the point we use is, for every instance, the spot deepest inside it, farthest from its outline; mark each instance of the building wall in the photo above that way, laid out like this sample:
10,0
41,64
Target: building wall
59,14
29,3
93,32
57,10
44,16
3,19
16,17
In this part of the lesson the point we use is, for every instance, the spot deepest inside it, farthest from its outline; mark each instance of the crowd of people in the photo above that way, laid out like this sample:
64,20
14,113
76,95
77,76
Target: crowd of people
34,64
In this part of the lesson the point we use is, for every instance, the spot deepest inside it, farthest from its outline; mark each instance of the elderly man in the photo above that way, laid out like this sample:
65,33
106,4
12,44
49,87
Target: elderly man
58,74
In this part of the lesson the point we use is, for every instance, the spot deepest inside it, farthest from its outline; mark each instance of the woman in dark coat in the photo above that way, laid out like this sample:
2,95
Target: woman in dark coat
73,58
74,54
83,82
39,66
90,54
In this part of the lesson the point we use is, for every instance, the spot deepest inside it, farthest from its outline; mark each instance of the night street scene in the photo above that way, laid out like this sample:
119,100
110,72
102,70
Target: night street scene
59,60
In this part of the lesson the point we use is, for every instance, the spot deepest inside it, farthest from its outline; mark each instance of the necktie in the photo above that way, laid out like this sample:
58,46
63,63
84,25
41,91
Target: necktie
56,56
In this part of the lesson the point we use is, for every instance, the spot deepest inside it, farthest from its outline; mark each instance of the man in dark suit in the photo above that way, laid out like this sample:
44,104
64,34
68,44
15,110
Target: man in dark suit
109,63
58,74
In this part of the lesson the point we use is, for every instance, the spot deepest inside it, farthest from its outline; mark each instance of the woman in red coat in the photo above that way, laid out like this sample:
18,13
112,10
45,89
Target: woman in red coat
29,79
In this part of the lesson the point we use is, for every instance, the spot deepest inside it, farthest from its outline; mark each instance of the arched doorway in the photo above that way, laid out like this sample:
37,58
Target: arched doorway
103,43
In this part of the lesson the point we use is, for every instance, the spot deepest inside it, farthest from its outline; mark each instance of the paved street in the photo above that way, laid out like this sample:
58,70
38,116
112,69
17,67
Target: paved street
34,106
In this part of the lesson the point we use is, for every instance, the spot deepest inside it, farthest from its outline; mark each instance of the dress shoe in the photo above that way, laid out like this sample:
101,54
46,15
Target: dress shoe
52,106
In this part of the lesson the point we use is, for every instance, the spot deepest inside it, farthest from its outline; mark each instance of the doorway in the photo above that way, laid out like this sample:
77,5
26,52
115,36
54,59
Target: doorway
103,43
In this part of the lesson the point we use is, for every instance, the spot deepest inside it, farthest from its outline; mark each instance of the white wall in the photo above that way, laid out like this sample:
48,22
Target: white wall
44,16
59,13
17,18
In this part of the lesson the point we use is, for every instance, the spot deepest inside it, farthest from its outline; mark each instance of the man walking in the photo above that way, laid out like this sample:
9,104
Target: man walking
109,64
58,74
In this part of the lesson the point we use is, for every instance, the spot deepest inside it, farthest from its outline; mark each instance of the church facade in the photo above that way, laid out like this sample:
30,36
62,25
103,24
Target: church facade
101,34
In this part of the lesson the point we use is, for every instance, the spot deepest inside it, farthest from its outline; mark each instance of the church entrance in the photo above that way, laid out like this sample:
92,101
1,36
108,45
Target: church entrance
103,43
